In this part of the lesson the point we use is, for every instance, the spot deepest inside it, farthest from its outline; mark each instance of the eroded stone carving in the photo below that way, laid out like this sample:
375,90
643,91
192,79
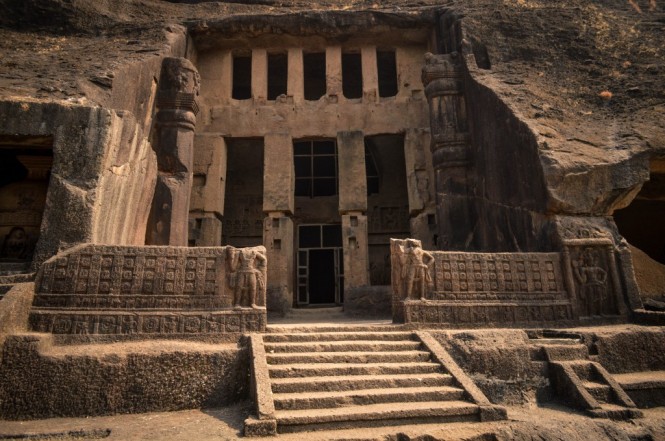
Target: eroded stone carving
442,77
413,272
99,289
478,289
174,139
247,276
592,282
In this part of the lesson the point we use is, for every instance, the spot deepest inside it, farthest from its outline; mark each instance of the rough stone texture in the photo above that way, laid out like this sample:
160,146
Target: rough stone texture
279,236
40,380
368,301
352,180
207,201
500,363
94,289
650,275
278,175
634,349
15,309
179,85
356,254
101,164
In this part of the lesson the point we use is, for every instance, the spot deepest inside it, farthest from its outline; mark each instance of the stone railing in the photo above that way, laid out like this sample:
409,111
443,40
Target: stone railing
459,289
99,289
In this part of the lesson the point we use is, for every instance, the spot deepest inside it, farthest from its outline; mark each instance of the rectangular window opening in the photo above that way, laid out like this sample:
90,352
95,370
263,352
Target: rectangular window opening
352,75
387,69
315,165
242,77
277,75
314,73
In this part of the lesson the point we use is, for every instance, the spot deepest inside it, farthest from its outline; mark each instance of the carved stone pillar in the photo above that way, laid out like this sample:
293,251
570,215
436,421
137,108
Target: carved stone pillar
174,139
451,157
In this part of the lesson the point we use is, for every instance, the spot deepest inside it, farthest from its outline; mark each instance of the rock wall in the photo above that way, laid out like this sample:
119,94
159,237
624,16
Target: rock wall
102,176
40,380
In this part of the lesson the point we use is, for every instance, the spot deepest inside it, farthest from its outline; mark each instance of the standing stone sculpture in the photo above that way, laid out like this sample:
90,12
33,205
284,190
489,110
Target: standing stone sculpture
413,269
246,277
443,81
592,280
176,118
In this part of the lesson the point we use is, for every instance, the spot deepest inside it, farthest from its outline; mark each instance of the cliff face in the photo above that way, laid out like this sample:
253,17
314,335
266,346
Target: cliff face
586,78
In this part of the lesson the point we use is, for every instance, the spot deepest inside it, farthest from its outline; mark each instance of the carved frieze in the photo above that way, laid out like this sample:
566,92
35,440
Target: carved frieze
121,289
477,288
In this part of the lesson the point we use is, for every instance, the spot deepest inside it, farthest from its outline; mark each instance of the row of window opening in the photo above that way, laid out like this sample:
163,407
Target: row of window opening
316,169
314,75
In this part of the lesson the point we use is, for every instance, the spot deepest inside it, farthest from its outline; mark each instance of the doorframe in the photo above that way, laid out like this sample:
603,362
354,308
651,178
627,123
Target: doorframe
302,278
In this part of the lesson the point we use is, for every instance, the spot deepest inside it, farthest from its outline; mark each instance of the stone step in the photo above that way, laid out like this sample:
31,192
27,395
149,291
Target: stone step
555,341
585,371
566,352
321,400
334,369
339,336
615,412
349,357
356,382
342,346
601,392
375,415
316,329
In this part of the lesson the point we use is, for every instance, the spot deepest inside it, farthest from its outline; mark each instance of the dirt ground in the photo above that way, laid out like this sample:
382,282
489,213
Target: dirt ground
525,423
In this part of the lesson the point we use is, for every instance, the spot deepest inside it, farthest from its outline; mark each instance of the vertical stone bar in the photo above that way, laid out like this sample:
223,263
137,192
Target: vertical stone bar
355,249
278,238
207,204
352,176
295,82
442,77
352,207
334,70
176,117
279,205
226,77
420,186
370,73
259,75
278,173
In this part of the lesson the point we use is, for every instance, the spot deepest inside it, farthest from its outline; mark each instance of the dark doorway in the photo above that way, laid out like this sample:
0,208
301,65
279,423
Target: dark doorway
322,276
320,264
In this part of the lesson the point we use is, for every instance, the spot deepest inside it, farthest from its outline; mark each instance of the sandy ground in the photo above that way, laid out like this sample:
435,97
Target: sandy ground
226,424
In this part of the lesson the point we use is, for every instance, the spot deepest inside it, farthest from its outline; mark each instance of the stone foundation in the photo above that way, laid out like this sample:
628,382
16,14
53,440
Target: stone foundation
41,380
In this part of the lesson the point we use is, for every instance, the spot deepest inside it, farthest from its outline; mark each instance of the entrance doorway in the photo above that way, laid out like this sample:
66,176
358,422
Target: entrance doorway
320,265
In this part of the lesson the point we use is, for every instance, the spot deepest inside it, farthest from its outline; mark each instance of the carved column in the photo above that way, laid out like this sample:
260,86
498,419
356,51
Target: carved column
174,139
451,157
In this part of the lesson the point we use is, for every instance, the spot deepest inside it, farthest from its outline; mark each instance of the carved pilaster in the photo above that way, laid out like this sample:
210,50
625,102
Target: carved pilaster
444,88
174,138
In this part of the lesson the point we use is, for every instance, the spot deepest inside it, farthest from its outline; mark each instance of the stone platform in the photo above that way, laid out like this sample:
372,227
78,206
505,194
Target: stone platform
151,290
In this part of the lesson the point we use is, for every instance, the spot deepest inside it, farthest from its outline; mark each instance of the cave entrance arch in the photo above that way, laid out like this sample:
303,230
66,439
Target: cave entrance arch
642,224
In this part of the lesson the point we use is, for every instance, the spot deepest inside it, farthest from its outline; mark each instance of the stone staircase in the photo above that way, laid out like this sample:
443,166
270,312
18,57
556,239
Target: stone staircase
361,378
584,382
